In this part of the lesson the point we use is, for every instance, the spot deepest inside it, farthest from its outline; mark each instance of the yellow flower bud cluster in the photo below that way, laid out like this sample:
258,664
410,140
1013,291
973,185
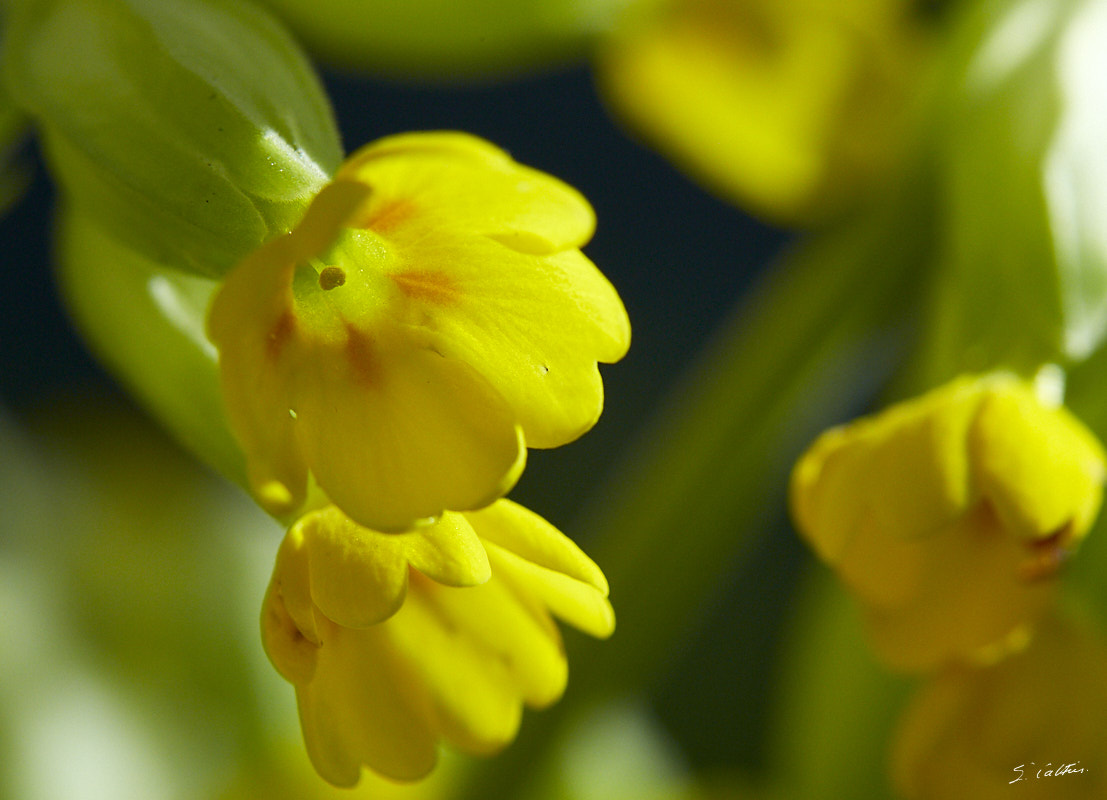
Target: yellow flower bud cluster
949,515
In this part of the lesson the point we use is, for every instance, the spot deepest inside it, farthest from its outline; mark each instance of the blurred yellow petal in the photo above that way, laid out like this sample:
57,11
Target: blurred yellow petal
906,469
430,316
791,109
948,514
1041,471
1033,726
968,599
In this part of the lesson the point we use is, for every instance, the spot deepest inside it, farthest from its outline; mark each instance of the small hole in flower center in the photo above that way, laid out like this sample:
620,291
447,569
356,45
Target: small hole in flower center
331,277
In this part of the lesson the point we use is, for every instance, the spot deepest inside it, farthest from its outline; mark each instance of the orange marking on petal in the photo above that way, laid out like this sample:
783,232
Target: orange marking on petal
362,356
433,287
279,334
388,216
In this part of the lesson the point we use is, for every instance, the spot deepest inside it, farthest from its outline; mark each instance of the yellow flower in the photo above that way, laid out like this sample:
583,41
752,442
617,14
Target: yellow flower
949,514
788,108
472,640
1034,726
429,318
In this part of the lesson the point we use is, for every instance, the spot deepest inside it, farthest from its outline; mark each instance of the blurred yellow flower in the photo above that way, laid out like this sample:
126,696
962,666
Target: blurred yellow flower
431,316
948,515
456,662
789,108
1034,726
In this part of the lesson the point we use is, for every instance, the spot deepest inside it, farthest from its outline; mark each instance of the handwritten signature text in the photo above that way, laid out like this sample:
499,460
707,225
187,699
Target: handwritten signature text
1048,771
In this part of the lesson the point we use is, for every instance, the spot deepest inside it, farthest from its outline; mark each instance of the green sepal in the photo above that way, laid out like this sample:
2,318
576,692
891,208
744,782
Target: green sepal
192,131
146,324
1023,175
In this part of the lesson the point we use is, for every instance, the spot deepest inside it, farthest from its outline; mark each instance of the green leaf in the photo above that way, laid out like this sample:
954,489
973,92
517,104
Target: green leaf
1023,174
191,130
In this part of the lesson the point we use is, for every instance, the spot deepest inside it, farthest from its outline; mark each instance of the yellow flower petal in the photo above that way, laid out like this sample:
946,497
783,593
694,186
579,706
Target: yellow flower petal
255,393
469,648
255,388
359,577
362,708
808,97
529,536
454,662
396,434
1011,729
905,470
489,265
966,600
1040,468
581,605
291,583
291,642
466,184
513,318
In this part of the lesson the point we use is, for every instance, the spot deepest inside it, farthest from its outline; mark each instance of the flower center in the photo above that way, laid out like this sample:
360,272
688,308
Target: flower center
331,277
356,263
